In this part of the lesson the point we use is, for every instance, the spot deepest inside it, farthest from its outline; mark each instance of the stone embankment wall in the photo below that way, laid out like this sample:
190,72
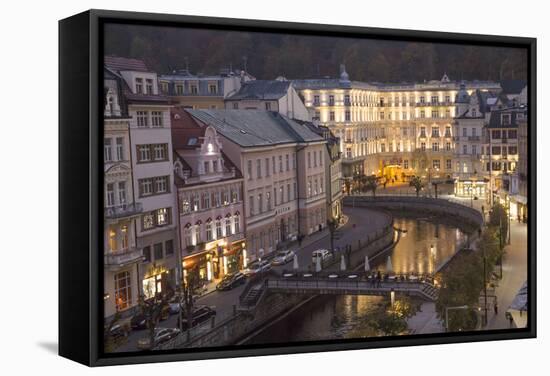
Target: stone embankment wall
423,205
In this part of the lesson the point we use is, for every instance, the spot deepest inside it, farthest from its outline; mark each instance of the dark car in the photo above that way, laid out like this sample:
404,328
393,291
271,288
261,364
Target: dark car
200,315
230,281
139,321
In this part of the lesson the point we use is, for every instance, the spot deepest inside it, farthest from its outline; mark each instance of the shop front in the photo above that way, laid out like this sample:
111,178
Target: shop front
234,257
470,188
157,279
201,267
213,263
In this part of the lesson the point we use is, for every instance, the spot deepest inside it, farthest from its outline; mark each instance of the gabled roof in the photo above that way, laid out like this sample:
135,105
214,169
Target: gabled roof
512,86
185,130
118,64
262,90
250,128
495,120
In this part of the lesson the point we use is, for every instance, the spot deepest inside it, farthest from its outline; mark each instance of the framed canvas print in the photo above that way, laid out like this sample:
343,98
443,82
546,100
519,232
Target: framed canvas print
236,187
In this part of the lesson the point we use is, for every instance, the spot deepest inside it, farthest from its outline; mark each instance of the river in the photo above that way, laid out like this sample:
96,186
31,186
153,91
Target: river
426,244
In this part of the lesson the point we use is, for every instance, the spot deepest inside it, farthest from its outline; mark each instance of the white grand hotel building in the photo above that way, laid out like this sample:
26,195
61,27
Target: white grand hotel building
391,130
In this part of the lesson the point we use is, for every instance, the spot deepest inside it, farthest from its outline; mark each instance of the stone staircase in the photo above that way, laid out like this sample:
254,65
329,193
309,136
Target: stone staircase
430,291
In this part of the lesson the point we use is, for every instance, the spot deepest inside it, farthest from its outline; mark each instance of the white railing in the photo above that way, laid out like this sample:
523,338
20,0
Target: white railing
123,257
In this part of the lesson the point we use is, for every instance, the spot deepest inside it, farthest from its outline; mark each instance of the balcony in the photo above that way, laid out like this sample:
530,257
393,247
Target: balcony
473,138
124,210
433,104
115,260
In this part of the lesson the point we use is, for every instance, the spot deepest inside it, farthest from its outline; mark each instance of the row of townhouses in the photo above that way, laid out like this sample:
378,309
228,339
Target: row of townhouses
205,174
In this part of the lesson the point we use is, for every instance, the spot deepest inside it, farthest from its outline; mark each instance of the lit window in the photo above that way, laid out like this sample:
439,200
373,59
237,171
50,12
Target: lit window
123,290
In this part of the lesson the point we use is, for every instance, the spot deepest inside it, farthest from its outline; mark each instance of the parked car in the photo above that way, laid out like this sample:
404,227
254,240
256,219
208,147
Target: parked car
257,267
283,257
139,321
323,254
230,281
161,335
117,331
200,315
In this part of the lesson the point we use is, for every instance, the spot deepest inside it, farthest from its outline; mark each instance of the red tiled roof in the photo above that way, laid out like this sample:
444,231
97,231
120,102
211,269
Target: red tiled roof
184,128
118,64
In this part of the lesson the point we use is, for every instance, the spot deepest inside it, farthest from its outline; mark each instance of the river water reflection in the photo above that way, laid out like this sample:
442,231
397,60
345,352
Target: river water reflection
427,243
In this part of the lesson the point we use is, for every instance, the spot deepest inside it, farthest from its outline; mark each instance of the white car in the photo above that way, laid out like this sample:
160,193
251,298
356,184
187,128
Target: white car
257,267
161,335
283,257
323,254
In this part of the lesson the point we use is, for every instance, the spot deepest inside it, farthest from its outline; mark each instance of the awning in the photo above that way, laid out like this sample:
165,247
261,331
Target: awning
518,309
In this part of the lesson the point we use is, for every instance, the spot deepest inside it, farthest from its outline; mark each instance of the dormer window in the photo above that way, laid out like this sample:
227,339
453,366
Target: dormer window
505,119
179,89
149,86
139,85
474,112
210,148
213,89
194,89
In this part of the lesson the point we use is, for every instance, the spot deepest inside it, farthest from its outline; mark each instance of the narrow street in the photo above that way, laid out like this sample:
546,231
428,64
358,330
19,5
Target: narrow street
361,222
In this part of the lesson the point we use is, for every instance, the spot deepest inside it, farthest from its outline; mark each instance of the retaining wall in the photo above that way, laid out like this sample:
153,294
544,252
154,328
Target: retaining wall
423,205
272,306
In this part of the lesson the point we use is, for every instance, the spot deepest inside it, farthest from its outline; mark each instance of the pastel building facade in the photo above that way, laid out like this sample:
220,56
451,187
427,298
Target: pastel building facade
197,91
270,95
473,113
122,255
210,201
283,167
152,173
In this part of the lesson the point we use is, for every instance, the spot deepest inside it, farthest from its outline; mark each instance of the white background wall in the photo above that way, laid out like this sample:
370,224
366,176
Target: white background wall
29,191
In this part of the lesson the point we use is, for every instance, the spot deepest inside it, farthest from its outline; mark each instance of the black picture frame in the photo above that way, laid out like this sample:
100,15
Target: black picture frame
80,196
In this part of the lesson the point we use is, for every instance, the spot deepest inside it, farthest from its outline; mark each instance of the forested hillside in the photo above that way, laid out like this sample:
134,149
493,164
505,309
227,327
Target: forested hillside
294,56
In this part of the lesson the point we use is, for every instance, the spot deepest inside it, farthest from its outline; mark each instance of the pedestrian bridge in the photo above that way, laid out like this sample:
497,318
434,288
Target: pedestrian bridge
341,283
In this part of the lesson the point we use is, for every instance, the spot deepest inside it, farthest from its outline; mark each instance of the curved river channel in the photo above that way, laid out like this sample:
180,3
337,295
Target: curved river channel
347,316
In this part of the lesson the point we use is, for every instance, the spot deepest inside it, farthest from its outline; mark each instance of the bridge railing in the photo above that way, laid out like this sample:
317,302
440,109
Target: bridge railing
359,286
340,277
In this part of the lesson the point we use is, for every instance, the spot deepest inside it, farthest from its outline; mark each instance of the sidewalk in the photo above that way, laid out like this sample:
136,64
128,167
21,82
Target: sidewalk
425,321
514,274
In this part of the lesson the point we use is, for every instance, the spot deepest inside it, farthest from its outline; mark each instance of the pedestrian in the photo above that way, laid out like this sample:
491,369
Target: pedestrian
511,321
496,308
